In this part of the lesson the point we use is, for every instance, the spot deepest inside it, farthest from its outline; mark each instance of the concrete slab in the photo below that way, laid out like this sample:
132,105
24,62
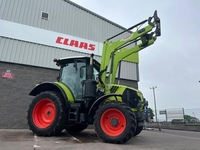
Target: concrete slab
88,140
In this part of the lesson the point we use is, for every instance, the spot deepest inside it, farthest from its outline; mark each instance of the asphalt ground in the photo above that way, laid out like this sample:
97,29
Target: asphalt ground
87,140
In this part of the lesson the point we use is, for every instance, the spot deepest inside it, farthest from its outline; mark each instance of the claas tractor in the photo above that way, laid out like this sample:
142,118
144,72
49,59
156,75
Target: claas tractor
85,92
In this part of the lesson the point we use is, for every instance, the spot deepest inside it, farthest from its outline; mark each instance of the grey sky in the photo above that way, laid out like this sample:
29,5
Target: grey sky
172,63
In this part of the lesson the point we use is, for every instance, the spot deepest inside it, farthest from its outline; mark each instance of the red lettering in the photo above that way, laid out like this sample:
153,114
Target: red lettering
91,47
58,40
66,41
83,45
74,43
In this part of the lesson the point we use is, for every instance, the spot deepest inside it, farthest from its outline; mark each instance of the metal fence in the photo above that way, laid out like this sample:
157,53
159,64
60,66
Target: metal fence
179,115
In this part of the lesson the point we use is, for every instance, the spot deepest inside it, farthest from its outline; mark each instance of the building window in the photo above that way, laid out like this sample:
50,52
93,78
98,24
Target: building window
45,15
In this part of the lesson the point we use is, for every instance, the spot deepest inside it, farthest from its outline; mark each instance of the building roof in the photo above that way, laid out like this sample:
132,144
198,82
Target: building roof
95,14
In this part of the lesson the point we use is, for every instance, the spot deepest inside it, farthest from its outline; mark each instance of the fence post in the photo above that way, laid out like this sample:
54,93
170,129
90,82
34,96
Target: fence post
183,115
166,114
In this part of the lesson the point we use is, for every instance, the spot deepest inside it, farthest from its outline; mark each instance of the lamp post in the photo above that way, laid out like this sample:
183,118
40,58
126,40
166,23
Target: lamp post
154,96
153,88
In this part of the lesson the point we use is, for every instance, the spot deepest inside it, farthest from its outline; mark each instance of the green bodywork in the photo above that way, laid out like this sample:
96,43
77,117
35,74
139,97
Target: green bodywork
120,90
67,91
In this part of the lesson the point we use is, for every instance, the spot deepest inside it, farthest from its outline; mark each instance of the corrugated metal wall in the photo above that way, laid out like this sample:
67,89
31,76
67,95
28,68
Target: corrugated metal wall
64,17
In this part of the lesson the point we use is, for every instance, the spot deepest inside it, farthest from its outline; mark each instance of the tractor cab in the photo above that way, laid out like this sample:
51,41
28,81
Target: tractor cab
74,73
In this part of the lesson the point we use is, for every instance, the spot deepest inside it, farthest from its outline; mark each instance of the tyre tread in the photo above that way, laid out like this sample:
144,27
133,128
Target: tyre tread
131,125
56,127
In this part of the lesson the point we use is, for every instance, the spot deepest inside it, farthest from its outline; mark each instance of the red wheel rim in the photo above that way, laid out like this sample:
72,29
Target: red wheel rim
107,125
44,113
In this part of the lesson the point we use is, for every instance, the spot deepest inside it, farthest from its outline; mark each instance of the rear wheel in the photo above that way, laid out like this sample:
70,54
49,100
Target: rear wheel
46,114
115,122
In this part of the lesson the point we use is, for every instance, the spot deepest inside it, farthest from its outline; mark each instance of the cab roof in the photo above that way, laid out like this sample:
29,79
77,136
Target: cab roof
67,60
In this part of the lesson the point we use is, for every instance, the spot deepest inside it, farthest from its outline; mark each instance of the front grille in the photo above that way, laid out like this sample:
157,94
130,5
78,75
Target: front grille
113,89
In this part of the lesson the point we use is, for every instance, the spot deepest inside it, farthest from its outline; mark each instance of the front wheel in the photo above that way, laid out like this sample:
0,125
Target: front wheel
138,130
115,122
46,114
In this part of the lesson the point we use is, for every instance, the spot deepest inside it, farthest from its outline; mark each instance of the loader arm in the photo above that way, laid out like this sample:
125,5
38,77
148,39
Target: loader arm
114,52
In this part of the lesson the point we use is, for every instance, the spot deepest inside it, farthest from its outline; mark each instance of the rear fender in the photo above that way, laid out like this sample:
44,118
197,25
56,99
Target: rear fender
57,87
100,100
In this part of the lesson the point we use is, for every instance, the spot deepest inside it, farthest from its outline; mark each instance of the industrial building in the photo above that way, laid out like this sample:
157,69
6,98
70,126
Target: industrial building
32,34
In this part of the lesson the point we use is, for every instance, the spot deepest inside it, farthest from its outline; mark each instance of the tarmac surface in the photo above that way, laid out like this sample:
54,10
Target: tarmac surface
16,139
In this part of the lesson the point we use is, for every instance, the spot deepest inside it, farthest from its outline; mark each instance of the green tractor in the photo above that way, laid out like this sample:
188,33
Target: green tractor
85,93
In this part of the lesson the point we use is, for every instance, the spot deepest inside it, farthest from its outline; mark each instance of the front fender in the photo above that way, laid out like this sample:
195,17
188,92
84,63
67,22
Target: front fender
101,99
54,86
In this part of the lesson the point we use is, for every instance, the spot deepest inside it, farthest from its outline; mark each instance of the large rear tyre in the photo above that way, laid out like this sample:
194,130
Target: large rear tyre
76,128
115,122
46,114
